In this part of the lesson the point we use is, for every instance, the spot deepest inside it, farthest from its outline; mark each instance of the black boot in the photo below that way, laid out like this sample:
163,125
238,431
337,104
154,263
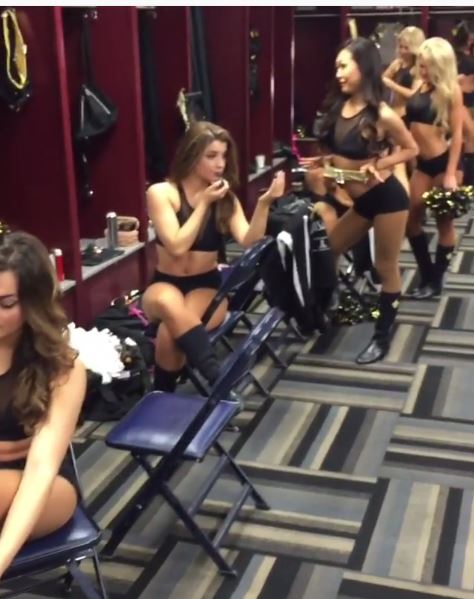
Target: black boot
380,342
468,164
199,352
426,288
165,380
443,258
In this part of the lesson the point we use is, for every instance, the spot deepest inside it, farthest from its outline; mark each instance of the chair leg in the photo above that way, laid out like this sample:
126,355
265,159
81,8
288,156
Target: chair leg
259,386
196,531
98,574
128,519
260,502
196,382
84,582
277,360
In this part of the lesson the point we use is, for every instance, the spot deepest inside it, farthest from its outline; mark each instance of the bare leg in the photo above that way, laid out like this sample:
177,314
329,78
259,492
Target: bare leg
389,231
181,336
59,508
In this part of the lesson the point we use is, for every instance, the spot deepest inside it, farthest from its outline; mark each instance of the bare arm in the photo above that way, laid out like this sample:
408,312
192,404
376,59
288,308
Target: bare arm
405,92
392,69
456,123
175,238
45,456
245,233
407,148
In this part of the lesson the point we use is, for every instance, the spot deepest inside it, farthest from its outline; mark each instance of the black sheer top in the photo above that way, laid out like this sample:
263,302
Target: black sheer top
348,139
210,239
10,428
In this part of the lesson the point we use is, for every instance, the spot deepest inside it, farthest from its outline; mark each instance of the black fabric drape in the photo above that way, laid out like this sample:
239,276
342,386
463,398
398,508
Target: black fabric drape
155,156
200,69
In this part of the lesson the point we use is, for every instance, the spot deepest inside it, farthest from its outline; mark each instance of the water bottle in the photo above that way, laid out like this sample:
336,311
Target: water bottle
112,230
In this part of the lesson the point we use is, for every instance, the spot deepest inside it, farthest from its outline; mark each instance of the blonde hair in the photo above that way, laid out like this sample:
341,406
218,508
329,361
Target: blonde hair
441,65
413,37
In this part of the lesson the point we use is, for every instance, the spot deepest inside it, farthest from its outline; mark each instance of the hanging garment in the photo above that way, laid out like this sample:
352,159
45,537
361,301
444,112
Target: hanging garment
201,80
97,114
155,156
15,86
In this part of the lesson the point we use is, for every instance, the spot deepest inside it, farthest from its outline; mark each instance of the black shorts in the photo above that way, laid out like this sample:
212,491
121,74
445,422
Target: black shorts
434,166
209,280
384,198
66,470
330,200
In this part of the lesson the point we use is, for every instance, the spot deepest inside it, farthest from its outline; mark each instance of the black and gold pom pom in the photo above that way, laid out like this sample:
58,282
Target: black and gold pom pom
351,311
450,203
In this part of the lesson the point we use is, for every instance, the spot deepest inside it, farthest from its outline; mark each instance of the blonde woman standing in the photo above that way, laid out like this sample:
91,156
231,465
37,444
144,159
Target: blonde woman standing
399,77
434,112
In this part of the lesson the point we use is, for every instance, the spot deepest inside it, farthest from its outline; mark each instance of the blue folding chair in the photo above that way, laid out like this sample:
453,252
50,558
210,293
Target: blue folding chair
239,285
182,427
66,547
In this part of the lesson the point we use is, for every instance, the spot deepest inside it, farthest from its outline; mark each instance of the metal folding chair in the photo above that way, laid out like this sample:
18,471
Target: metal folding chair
180,427
66,547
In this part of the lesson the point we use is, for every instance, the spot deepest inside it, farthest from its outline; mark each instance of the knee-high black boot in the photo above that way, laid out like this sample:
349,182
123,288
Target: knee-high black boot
199,352
419,246
165,380
443,258
380,343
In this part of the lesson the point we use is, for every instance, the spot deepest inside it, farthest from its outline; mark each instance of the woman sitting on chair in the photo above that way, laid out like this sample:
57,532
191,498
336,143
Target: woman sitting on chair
42,387
191,213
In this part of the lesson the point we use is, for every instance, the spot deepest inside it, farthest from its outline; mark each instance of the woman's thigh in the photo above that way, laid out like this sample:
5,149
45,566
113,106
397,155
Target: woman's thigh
348,230
59,508
197,302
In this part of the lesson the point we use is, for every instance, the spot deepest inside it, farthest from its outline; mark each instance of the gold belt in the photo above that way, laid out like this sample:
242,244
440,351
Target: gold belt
341,175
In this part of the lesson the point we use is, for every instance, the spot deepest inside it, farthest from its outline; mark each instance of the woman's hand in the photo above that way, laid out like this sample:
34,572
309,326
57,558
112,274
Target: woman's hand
450,182
311,162
214,192
370,170
276,189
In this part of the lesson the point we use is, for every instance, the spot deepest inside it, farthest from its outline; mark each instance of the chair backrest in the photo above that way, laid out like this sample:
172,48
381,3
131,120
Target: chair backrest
235,367
243,268
241,360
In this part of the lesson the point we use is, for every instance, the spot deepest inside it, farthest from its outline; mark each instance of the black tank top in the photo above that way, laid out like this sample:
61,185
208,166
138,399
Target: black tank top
347,139
210,239
420,109
10,428
404,77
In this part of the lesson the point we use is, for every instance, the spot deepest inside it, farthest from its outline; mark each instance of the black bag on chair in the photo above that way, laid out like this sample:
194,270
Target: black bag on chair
97,114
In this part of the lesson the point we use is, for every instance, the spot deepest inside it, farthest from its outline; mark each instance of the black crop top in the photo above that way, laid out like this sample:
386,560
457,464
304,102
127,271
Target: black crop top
420,109
10,428
209,238
346,138
404,77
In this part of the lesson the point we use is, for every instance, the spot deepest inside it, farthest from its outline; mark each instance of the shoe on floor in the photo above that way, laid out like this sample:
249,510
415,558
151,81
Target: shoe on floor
375,351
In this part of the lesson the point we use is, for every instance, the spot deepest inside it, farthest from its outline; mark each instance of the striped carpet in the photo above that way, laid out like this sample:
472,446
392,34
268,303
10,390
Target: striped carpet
368,471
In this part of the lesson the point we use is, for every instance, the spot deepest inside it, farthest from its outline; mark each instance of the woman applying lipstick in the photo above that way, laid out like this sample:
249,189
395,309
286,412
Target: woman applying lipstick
192,212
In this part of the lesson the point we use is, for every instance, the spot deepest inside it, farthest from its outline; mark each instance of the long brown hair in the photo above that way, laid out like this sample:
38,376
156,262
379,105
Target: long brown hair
42,353
190,150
